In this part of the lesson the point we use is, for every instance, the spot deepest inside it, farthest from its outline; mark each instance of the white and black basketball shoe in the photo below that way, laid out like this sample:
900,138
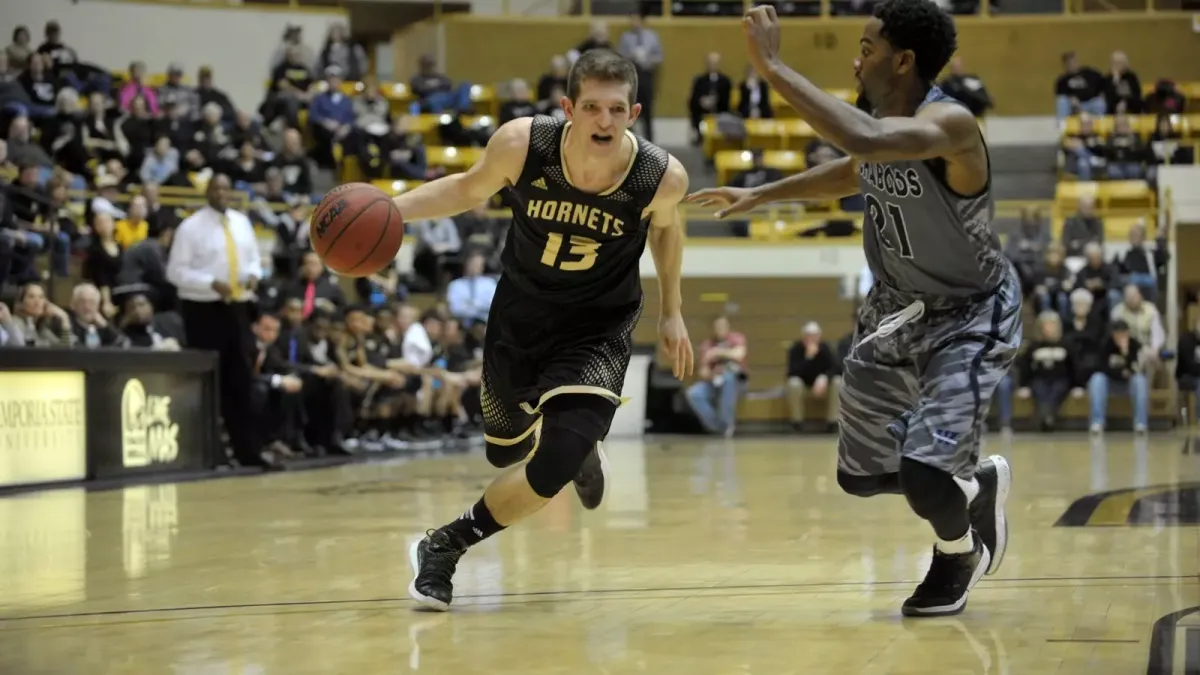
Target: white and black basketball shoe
592,478
988,516
433,561
949,581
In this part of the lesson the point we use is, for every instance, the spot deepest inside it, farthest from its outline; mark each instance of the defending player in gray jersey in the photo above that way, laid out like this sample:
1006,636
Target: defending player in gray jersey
942,324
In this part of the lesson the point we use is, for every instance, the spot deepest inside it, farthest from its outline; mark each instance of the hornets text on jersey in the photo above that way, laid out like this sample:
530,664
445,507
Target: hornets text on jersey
570,247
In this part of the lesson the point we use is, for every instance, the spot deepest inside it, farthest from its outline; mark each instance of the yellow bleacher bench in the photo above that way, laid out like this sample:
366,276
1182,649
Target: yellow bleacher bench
730,162
395,187
453,159
1113,194
1116,228
782,108
1143,125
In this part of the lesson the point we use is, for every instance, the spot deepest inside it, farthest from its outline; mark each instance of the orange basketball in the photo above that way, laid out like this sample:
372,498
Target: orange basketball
356,229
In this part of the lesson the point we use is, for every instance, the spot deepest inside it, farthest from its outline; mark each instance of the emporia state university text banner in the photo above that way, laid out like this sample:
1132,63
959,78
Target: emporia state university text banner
43,427
148,423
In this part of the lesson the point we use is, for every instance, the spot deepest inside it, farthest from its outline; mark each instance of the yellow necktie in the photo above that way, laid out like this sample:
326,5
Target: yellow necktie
231,252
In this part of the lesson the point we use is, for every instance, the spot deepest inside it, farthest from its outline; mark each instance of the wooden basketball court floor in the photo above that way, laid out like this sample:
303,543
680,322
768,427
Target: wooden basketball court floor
721,557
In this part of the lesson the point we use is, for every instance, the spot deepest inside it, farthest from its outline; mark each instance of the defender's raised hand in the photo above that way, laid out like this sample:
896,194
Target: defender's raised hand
761,26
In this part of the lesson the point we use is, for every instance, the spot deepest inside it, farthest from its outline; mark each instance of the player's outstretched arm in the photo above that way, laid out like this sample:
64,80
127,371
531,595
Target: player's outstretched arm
451,195
940,130
831,180
666,247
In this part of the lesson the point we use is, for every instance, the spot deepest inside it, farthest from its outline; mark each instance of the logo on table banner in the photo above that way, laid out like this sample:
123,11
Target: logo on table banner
148,436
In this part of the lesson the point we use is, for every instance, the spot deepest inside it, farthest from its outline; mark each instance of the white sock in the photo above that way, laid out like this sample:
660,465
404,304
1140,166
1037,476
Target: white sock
964,545
970,488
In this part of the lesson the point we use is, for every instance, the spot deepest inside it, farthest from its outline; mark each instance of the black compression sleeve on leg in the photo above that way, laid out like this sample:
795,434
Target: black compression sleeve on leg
572,424
933,495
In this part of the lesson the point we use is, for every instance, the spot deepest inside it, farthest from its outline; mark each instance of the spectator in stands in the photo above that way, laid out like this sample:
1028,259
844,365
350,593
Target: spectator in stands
331,117
720,380
966,88
43,323
99,132
278,394
102,262
175,92
758,174
212,144
1083,228
1050,282
42,88
556,77
1084,152
20,50
597,39
139,131
331,416
62,135
1078,89
1145,325
246,128
1166,99
641,45
214,262
712,93
1140,266
438,244
435,92
1099,277
89,326
159,216
403,152
145,264
61,56
372,110
146,330
811,371
292,161
315,288
22,150
207,92
161,165
134,227
1122,88
1121,371
290,80
519,103
293,39
1166,148
339,51
754,97
1047,370
108,191
11,334
1026,247
1125,154
248,171
135,87
470,296
1084,334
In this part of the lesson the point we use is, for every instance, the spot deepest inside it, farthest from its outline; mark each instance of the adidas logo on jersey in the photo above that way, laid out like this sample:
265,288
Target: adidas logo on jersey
539,183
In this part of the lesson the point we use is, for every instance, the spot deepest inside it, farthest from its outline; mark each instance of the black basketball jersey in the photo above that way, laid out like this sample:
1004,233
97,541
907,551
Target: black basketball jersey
570,247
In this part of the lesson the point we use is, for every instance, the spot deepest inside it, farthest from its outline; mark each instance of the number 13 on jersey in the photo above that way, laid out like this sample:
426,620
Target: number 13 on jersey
580,256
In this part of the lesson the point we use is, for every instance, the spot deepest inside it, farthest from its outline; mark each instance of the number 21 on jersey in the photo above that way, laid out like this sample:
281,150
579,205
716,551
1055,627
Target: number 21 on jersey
580,256
881,216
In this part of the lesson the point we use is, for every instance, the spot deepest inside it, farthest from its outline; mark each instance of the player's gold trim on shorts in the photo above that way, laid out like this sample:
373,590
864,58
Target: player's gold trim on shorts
513,441
572,389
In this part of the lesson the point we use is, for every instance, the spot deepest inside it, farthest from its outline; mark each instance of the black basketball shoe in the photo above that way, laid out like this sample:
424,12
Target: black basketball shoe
434,560
592,478
950,578
988,516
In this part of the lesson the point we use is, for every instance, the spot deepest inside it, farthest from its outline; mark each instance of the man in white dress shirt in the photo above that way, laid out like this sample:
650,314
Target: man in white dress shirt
215,264
470,296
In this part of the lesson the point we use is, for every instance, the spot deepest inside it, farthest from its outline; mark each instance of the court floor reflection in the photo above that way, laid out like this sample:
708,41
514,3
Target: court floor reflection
708,557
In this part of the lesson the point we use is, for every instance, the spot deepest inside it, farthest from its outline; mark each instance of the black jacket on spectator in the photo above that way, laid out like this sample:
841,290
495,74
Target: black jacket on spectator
1084,344
1126,148
717,85
969,90
41,92
1164,100
1098,281
764,101
1138,260
100,267
1079,230
297,179
213,95
1054,280
1187,363
808,370
145,263
1127,89
299,76
1085,84
106,336
511,110
547,84
1120,367
1043,360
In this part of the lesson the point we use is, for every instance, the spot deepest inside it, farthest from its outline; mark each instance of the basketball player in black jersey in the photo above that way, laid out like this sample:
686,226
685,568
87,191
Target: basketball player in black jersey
586,195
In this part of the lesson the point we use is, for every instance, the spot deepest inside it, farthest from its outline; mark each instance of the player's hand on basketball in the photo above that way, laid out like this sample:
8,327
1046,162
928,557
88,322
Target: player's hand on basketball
761,26
728,200
673,335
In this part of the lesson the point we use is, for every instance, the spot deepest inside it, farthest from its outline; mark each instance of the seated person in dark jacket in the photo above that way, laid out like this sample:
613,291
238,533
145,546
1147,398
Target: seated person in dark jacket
1187,364
278,392
323,388
1084,334
1121,370
1050,282
1099,277
145,263
1046,370
315,288
811,371
89,328
145,329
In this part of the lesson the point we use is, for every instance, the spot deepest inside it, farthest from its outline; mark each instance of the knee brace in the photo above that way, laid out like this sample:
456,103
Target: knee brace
934,495
572,424
869,486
